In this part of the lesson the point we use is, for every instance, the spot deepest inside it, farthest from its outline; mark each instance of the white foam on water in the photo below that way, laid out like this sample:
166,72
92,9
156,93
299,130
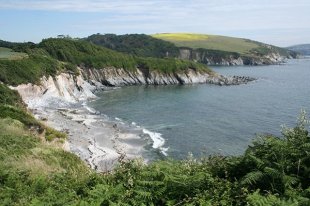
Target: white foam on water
118,119
91,110
158,141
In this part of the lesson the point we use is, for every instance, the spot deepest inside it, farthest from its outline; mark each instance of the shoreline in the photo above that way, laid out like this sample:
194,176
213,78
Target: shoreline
96,140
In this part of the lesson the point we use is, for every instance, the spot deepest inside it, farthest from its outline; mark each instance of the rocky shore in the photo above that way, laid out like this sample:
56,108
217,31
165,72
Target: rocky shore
122,77
58,101
232,58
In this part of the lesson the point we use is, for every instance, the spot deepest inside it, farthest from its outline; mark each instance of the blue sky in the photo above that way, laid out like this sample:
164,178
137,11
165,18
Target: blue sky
278,22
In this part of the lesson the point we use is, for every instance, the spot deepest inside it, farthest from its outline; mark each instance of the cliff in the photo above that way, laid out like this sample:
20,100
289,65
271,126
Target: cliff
230,58
223,50
67,88
206,49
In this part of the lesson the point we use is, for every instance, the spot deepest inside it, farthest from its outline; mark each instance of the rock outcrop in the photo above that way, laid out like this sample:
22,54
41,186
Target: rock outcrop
60,90
122,77
67,88
230,58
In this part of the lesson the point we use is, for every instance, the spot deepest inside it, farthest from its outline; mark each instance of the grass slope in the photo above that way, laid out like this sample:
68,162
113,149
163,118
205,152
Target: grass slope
215,42
9,54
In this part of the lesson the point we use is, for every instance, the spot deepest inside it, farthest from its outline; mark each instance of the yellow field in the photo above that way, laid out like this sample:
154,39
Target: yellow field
215,42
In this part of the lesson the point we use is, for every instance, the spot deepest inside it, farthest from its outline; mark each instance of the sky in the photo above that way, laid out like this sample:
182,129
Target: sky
277,22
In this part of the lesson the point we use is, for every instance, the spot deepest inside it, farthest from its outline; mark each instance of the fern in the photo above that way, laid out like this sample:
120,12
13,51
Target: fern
252,178
256,199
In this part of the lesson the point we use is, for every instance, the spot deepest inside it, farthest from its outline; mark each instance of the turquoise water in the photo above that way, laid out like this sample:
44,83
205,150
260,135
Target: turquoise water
207,119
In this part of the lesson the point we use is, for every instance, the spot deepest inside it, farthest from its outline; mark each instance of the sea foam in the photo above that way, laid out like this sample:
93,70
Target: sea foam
158,141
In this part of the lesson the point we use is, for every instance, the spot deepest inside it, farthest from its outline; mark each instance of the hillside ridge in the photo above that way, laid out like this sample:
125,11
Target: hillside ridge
206,49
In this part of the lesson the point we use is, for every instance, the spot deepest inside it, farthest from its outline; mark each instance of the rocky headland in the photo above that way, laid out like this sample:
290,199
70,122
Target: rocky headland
232,59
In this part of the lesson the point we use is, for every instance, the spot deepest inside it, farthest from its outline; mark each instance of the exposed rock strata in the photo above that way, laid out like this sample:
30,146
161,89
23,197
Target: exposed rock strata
67,88
84,128
121,77
230,58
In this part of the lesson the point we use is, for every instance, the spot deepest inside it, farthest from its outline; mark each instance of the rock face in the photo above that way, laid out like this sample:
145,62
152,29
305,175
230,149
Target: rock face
62,89
230,58
121,77
66,88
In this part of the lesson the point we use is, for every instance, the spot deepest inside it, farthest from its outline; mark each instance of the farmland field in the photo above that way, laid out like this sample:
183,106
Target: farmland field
214,42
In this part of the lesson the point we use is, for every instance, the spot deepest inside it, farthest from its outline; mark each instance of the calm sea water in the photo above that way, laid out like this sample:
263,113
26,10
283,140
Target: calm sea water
207,119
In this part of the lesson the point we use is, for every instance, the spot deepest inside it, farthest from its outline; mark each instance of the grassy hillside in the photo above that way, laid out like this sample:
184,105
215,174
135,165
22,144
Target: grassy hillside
219,43
213,42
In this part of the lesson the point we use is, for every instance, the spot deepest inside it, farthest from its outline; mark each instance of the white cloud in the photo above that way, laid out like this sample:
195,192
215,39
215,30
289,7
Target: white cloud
203,16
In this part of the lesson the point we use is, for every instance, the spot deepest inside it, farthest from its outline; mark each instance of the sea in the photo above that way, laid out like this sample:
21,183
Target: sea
176,121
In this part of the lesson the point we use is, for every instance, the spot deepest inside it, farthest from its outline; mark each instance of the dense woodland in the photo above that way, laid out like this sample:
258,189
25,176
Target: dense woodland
136,44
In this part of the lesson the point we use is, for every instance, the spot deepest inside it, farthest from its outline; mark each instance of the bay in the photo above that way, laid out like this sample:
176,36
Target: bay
208,119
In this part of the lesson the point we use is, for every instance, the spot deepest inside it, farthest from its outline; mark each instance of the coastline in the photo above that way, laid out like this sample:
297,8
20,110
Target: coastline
62,102
95,139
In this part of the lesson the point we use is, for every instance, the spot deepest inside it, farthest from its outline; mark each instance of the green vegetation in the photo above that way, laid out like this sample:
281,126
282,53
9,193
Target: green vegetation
272,171
29,69
6,53
51,134
84,53
170,65
52,56
213,42
12,107
220,43
136,44
9,96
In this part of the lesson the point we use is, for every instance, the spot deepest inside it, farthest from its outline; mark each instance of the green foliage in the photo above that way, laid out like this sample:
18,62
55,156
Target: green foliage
52,56
136,44
273,171
28,70
169,65
256,199
218,47
7,111
6,53
279,164
90,55
51,134
9,96
82,52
